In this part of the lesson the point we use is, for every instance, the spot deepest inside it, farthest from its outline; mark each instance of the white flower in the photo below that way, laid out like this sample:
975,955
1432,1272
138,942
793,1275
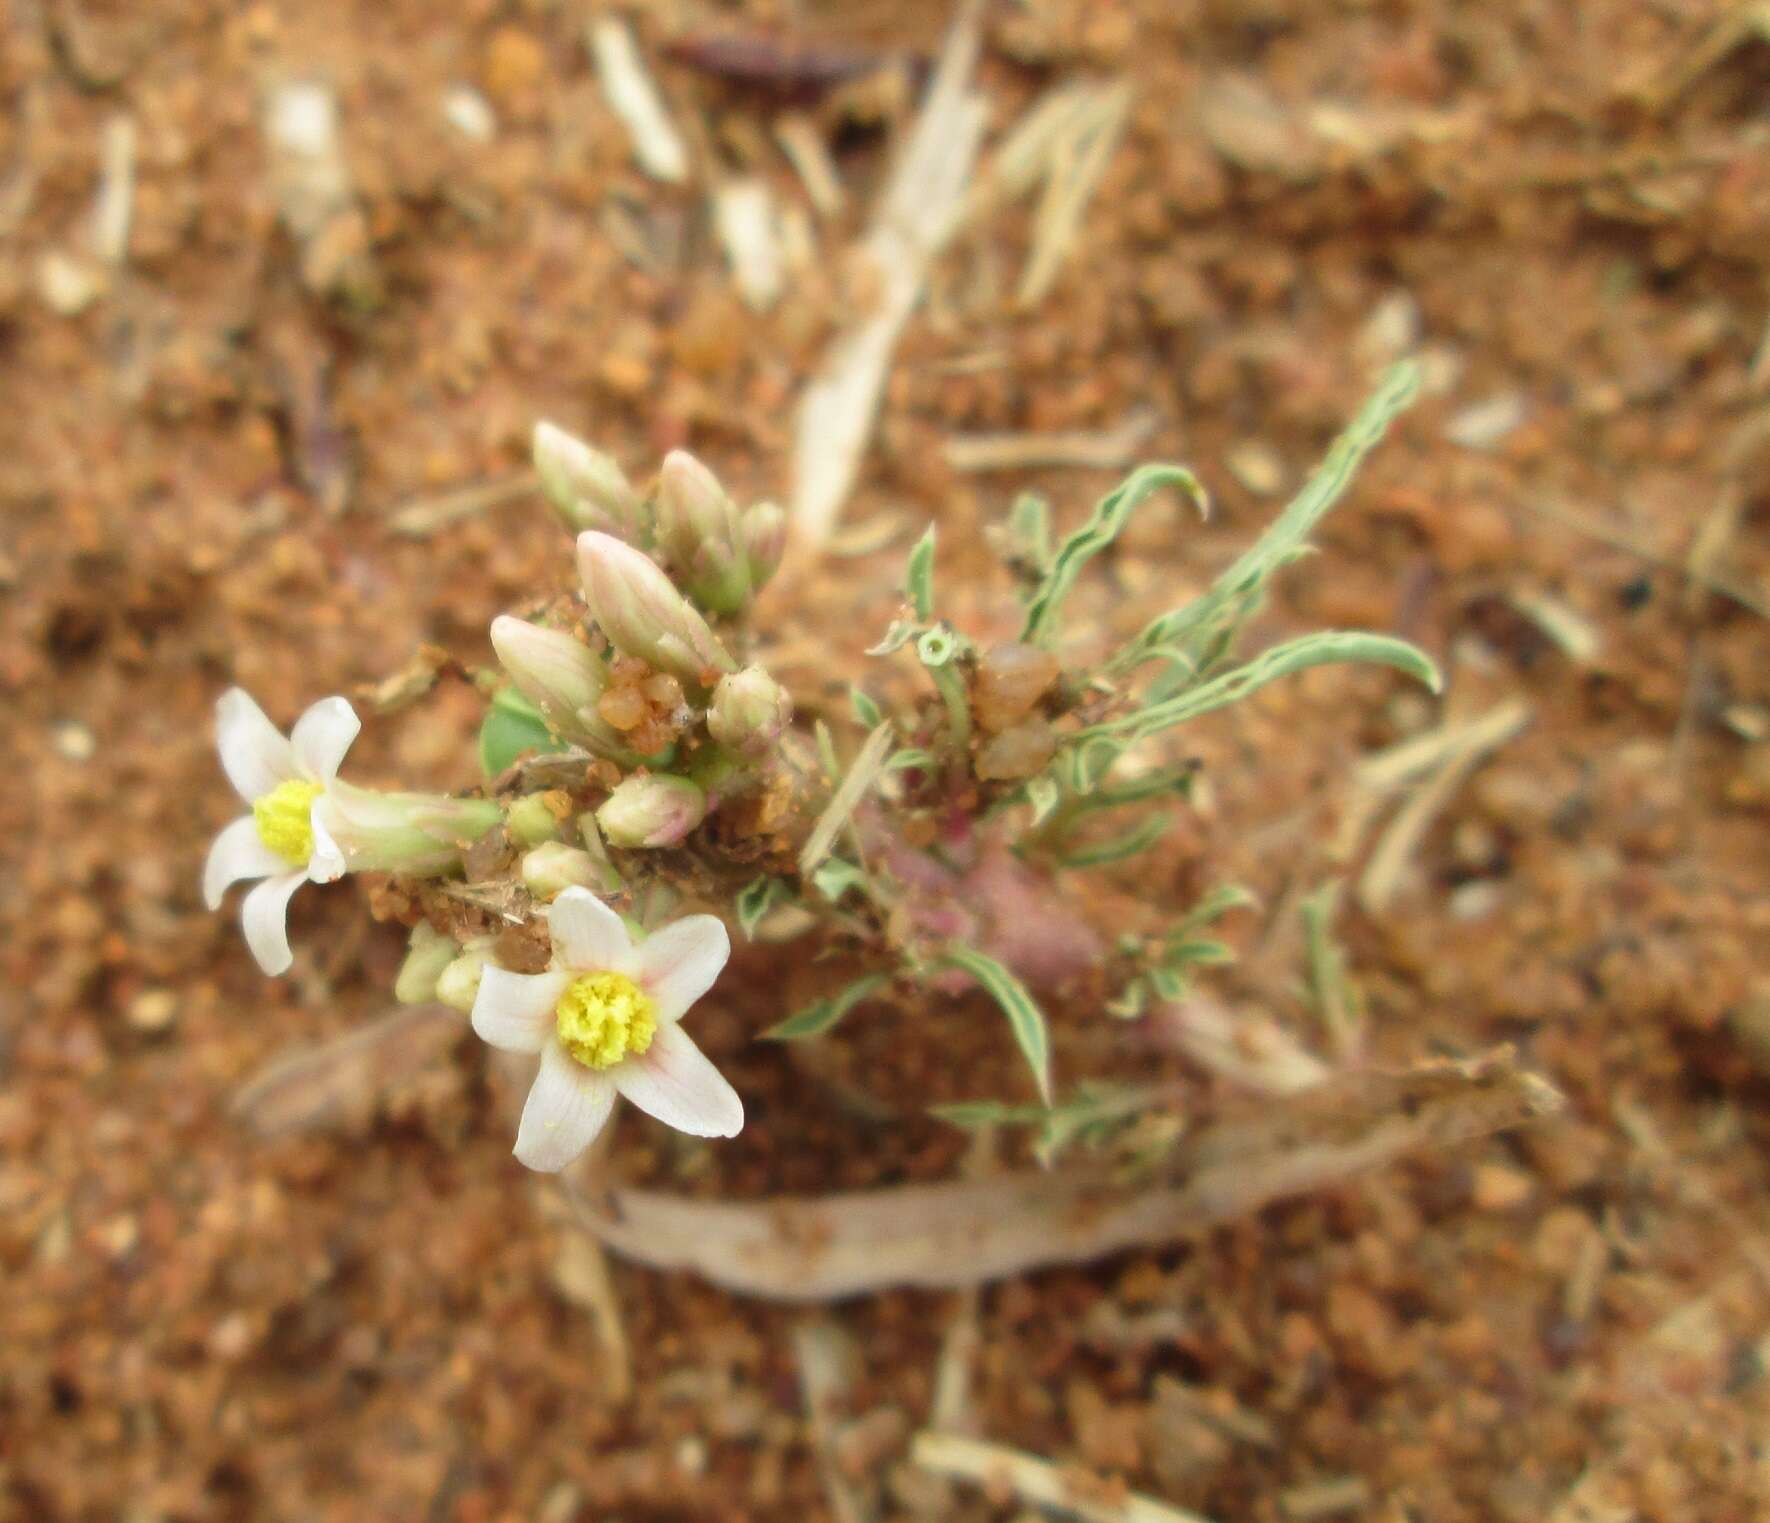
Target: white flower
605,1020
281,778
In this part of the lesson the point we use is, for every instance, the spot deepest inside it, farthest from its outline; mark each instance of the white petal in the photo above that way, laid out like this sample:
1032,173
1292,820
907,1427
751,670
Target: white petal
587,934
265,916
238,853
515,1010
321,737
676,1082
567,1106
678,964
327,860
254,753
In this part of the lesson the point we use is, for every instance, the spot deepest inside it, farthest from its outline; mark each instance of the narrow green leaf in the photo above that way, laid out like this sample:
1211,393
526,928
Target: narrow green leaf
1043,793
816,1019
513,727
1025,1019
1216,904
1130,1002
896,637
866,711
755,899
918,578
1029,530
909,756
1110,515
1139,790
1140,837
988,1113
835,877
1183,628
1281,661
1198,954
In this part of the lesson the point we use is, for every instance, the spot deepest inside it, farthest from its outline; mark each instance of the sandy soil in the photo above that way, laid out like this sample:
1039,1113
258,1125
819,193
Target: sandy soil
212,420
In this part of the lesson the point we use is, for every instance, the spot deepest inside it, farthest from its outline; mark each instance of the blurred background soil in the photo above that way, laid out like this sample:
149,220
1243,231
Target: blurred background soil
244,388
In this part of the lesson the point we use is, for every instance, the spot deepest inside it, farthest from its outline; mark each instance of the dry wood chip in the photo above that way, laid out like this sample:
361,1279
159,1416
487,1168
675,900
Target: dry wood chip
634,97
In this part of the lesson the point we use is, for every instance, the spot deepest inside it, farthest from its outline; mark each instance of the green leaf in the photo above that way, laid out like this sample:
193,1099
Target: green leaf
909,756
866,711
1025,1019
816,1019
1331,988
1197,954
896,637
918,577
756,898
835,877
1130,1002
1183,630
988,1113
1029,530
512,728
1140,837
1043,793
1216,904
1140,790
1281,661
1110,515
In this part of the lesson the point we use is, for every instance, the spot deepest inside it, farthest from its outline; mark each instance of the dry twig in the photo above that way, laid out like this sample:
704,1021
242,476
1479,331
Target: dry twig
1065,1492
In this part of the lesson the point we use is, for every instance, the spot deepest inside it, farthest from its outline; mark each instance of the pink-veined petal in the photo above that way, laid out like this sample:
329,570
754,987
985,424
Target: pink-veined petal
677,1083
326,862
254,753
568,1105
265,917
515,1010
587,935
678,964
321,737
238,853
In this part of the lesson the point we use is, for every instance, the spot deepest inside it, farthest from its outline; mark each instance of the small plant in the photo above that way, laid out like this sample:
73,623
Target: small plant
639,764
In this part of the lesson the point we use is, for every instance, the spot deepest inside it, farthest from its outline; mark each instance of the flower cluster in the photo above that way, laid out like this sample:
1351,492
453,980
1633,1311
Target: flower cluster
637,758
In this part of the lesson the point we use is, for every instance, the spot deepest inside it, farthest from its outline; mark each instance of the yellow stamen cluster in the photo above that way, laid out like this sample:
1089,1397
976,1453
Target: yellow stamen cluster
284,822
604,1017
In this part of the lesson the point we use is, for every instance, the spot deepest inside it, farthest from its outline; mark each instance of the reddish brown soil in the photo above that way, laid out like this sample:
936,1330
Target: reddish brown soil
196,472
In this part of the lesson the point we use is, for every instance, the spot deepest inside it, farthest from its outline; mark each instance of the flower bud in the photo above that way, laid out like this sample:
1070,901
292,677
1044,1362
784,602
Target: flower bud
653,810
765,540
427,954
748,712
644,615
563,678
459,982
530,821
419,833
586,487
554,866
698,532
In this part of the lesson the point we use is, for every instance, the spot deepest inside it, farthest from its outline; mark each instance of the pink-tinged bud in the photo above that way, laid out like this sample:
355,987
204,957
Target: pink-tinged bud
699,534
749,711
418,833
765,541
563,678
655,810
585,486
554,867
644,615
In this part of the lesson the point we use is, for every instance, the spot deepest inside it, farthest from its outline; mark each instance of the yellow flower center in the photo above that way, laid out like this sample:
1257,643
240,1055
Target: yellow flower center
603,1017
284,819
